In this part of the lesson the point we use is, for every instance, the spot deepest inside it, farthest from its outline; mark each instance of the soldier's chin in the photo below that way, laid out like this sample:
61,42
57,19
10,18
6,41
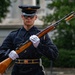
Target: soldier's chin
29,24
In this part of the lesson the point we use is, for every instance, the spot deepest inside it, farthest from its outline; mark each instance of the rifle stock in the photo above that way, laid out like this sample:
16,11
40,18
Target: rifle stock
5,63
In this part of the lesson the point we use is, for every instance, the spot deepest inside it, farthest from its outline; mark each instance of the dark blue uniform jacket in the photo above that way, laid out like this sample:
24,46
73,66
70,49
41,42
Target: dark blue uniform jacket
18,37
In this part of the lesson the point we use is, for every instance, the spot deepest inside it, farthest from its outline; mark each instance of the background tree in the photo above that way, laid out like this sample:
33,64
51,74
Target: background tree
4,4
65,33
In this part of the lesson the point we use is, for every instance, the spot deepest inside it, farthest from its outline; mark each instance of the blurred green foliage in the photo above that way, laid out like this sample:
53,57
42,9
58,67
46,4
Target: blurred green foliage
66,59
64,33
64,36
4,4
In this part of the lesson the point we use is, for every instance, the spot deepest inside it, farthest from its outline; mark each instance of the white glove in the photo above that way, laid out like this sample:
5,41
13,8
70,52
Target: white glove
35,40
13,55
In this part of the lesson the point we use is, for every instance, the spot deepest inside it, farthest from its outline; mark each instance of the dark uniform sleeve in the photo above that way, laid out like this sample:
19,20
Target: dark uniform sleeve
48,48
6,47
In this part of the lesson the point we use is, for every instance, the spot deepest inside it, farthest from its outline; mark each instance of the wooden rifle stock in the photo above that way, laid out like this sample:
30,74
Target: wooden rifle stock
5,63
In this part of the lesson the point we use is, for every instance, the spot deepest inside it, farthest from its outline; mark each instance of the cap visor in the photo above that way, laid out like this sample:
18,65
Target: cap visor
28,14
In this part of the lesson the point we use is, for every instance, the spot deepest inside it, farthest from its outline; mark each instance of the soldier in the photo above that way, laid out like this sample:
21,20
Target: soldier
28,61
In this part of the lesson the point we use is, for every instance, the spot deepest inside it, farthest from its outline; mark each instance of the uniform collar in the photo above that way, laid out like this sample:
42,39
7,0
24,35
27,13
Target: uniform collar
31,31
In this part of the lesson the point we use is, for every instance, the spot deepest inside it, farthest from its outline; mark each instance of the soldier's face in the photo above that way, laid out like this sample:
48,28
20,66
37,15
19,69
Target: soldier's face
29,20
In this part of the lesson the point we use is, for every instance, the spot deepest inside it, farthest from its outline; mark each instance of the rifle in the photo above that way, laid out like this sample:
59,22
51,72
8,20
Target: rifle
5,63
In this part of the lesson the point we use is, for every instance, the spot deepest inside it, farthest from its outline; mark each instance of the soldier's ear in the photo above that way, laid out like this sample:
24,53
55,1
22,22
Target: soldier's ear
22,17
35,17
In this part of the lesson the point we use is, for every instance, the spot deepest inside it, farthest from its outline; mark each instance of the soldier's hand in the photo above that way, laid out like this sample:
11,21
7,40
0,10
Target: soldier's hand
35,40
13,55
